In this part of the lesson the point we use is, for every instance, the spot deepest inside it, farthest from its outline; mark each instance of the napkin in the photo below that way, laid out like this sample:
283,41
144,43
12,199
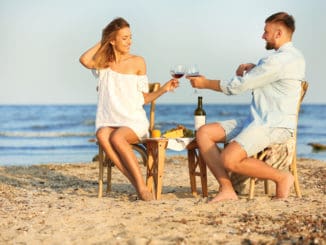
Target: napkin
178,144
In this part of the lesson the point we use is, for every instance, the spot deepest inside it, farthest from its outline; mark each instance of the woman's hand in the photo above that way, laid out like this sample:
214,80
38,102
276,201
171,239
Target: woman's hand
86,59
171,85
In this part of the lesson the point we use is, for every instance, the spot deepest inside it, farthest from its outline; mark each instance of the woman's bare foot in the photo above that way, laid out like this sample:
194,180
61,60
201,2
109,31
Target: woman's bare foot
224,196
283,187
145,195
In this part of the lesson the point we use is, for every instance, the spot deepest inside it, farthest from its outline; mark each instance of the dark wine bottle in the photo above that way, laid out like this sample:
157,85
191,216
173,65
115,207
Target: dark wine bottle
199,114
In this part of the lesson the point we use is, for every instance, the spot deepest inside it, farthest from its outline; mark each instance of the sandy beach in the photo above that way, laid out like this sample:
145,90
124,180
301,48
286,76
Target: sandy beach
58,204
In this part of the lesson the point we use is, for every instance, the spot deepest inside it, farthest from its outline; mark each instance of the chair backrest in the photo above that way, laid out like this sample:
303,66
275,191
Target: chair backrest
277,147
304,88
152,88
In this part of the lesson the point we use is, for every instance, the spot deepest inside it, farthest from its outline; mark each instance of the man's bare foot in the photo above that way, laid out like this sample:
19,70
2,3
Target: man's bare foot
146,196
224,196
283,187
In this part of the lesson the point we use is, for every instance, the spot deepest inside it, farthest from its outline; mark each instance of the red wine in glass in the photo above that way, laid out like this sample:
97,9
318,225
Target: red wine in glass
193,71
177,75
178,71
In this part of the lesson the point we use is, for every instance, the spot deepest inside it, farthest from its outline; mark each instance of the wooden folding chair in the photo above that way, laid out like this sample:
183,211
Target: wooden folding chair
140,148
293,165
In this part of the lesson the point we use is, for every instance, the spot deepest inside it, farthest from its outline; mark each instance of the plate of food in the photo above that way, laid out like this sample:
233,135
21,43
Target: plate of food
179,137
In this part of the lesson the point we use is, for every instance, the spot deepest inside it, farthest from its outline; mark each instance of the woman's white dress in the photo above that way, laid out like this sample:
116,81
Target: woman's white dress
121,101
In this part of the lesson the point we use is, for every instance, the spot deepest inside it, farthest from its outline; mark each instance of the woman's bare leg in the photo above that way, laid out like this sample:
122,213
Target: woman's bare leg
121,140
103,135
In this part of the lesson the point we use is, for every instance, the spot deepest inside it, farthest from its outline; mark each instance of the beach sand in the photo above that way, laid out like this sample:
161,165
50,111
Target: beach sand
58,204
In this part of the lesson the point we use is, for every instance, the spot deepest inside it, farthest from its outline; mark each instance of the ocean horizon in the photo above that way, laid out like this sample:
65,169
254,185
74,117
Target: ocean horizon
39,134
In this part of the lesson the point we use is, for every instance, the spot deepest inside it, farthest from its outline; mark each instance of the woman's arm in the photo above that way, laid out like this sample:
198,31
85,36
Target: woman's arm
86,59
168,86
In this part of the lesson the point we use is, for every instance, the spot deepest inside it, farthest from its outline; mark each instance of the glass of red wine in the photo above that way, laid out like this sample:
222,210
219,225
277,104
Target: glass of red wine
178,71
193,71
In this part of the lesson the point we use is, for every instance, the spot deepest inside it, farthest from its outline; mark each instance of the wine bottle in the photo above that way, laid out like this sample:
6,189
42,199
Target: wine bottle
199,114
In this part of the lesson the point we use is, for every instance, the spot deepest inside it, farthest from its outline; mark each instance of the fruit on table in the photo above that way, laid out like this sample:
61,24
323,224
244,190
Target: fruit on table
156,133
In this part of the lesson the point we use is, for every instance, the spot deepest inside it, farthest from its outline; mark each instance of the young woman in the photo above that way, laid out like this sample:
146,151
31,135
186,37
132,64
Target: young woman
122,91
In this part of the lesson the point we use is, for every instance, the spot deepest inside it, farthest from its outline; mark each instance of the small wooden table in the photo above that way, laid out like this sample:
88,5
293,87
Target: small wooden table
155,164
156,148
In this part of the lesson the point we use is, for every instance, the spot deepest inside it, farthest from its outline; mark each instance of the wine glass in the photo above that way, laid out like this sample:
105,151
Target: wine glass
178,71
193,71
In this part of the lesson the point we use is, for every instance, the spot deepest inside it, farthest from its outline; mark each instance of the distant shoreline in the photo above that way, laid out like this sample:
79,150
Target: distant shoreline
158,103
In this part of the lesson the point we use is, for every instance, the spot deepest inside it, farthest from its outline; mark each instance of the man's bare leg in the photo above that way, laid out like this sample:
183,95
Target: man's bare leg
235,159
283,187
207,137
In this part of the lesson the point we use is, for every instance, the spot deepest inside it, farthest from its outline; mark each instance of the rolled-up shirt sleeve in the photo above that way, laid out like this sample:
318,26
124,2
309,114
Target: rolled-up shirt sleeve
275,86
266,71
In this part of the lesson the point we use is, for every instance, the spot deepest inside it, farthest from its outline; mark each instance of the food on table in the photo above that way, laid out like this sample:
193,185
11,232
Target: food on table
178,132
156,133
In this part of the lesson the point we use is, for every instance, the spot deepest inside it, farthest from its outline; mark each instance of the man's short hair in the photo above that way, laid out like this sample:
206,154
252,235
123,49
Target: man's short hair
283,18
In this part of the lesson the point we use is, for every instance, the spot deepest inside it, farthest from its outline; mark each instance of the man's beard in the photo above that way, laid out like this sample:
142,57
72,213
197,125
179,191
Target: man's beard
269,46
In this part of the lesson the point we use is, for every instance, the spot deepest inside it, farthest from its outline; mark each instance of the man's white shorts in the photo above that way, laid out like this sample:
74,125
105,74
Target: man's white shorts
254,138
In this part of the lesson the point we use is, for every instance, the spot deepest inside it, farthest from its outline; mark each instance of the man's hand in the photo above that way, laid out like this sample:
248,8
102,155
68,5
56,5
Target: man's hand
244,68
202,82
197,81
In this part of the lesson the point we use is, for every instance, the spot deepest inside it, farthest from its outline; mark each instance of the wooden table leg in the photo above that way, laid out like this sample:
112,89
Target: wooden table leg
150,168
160,167
203,176
197,167
155,165
192,170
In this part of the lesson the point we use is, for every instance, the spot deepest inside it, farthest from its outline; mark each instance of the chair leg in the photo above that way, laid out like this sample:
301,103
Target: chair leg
100,177
293,169
252,188
266,187
109,175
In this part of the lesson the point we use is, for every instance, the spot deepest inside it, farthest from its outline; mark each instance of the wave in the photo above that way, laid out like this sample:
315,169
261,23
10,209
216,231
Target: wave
46,134
59,125
6,149
89,122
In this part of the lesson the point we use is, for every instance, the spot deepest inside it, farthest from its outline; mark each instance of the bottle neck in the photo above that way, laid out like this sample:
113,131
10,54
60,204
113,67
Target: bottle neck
200,102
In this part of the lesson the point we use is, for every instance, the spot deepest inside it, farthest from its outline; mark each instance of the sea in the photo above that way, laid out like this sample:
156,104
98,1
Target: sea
39,134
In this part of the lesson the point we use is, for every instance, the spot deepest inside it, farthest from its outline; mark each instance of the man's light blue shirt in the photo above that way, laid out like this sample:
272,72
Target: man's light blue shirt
276,85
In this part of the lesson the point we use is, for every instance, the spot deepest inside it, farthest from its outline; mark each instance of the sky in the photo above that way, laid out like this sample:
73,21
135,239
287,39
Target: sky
42,40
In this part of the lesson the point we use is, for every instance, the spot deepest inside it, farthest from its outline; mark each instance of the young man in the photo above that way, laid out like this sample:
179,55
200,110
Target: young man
275,85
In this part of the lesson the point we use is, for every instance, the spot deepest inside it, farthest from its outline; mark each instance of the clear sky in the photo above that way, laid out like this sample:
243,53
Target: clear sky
41,41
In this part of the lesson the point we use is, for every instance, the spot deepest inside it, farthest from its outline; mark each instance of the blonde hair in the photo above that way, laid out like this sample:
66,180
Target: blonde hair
105,53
